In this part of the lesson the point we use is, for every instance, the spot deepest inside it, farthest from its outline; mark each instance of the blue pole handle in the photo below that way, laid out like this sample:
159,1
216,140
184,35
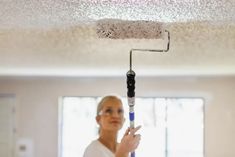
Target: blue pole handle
132,154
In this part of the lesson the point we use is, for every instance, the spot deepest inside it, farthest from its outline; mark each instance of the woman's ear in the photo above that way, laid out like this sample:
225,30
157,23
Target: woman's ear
97,119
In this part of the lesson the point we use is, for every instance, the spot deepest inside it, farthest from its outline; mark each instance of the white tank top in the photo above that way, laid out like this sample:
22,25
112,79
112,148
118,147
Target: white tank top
97,149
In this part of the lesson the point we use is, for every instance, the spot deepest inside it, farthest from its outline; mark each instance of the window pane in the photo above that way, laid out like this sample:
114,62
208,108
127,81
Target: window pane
79,125
184,127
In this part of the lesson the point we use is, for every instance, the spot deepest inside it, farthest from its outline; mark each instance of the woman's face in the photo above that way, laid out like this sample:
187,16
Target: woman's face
111,116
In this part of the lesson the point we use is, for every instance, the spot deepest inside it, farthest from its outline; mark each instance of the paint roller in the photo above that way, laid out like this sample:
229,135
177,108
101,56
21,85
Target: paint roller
121,29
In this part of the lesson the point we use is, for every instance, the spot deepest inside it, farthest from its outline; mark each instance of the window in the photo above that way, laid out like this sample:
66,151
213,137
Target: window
175,124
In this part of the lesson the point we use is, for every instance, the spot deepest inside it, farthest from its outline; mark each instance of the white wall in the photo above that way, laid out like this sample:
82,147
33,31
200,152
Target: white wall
37,105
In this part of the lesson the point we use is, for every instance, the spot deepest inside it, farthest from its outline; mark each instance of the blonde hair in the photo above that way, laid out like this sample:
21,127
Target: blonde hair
104,99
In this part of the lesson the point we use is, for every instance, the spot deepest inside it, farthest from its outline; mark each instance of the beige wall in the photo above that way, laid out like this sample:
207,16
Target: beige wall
37,105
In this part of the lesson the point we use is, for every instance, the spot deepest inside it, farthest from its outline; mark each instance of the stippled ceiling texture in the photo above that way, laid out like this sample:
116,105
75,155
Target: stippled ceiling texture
58,38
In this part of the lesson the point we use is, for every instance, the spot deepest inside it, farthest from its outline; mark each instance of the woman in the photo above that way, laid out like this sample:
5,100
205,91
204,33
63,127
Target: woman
110,118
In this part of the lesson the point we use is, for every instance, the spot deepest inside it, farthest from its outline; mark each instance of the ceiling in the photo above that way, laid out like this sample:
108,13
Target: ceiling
58,38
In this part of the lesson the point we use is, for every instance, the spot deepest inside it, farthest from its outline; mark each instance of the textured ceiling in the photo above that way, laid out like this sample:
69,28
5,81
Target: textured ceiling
58,38
51,13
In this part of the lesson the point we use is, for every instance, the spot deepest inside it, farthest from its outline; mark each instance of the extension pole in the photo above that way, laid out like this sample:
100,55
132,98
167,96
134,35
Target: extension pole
131,98
131,82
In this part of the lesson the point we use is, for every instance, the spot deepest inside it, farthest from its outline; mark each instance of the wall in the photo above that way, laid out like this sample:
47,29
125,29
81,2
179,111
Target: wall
37,105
